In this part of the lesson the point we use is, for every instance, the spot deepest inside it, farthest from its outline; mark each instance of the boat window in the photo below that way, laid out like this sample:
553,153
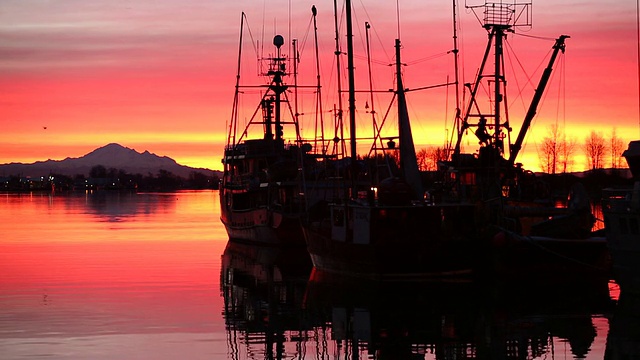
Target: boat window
241,202
468,179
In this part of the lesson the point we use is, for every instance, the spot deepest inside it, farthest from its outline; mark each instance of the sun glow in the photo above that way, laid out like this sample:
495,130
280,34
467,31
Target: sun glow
75,80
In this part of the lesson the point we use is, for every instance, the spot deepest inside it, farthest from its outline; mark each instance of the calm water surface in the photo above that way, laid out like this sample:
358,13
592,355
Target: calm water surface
152,276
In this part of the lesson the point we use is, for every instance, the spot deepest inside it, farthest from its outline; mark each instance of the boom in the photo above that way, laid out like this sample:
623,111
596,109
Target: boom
515,148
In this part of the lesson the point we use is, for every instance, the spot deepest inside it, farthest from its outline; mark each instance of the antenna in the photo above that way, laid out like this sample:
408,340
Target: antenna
638,57
498,18
509,14
398,16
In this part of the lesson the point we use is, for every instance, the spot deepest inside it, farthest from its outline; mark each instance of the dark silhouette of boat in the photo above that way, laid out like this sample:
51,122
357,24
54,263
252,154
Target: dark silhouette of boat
623,338
621,210
524,228
383,227
484,212
263,288
456,320
261,197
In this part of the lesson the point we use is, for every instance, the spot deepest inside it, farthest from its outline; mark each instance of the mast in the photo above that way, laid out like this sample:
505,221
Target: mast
515,148
474,91
408,159
296,114
376,131
319,106
456,58
277,86
233,126
498,18
352,99
337,140
498,85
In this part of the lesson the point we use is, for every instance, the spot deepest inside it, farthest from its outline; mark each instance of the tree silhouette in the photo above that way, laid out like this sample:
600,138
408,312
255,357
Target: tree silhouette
98,171
428,158
616,147
595,150
548,150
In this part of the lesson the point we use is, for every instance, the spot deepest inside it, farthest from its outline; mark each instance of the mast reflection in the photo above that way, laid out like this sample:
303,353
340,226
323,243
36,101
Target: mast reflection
277,307
262,287
463,320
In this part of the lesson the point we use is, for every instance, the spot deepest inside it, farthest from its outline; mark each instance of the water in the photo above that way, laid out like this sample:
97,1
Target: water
152,276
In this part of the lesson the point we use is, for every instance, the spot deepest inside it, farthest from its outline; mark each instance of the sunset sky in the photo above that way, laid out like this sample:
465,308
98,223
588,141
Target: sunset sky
159,75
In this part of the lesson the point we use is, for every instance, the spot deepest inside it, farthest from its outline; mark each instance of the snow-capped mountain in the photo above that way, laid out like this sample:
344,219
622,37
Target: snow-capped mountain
110,156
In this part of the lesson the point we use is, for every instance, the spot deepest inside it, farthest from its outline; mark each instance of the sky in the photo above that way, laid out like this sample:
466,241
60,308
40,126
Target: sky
160,75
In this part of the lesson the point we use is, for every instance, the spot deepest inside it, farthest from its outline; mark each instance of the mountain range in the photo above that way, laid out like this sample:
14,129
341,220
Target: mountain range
110,156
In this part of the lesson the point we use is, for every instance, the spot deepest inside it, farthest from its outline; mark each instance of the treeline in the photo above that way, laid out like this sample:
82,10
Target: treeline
101,178
556,152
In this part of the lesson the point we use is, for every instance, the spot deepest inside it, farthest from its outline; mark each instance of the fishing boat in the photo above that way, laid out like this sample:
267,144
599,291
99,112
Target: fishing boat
383,228
525,229
621,210
260,193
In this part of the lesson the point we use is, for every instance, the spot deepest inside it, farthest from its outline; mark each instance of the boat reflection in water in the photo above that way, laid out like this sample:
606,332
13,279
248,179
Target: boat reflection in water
277,307
263,287
457,320
623,340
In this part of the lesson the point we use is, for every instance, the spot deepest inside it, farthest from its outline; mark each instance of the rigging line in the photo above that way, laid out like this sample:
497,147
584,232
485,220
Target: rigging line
303,43
379,62
427,58
638,56
253,40
362,41
360,35
382,46
543,100
520,88
534,36
541,64
511,53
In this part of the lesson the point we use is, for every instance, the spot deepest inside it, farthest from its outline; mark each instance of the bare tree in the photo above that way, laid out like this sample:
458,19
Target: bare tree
616,147
549,150
437,154
567,150
421,155
428,158
595,150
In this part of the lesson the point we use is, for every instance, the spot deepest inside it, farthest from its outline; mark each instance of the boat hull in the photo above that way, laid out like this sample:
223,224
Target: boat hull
263,226
623,241
395,242
520,256
621,210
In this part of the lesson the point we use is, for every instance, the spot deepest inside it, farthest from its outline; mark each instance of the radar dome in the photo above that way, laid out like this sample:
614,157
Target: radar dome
278,40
